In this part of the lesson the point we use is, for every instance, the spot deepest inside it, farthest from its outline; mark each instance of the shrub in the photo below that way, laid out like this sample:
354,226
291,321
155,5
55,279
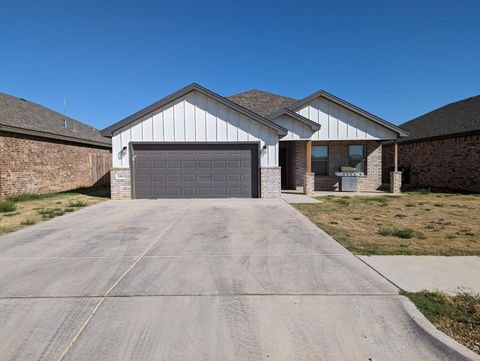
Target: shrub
76,204
28,222
404,233
48,213
26,197
7,206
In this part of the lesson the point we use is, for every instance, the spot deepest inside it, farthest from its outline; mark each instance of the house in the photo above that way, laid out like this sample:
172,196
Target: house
443,148
43,151
196,143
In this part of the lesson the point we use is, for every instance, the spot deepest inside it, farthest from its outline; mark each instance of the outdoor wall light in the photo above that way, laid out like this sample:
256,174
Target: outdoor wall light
122,152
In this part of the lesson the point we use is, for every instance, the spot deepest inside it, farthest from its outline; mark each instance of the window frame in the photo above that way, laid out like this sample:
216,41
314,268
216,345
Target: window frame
326,161
364,160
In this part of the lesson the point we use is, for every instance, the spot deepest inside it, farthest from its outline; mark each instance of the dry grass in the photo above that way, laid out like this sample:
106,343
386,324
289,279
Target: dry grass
30,209
457,316
417,223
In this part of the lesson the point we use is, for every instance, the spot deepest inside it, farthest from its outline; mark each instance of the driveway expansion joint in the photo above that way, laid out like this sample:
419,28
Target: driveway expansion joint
104,297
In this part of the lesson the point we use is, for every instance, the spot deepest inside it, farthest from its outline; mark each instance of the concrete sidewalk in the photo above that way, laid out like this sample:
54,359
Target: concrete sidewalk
417,273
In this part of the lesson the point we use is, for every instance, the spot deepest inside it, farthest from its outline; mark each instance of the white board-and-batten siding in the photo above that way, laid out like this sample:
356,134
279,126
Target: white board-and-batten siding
195,118
339,123
296,129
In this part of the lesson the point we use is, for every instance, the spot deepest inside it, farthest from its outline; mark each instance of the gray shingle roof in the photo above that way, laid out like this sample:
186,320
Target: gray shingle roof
21,114
261,102
458,117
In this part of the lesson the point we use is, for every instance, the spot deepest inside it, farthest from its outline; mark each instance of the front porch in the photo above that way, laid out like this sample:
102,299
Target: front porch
307,161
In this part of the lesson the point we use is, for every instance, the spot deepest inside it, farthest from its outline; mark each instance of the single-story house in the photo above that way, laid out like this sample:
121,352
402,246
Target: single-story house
443,148
42,151
196,143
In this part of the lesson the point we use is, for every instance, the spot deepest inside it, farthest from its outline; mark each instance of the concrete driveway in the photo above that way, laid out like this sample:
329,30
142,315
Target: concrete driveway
197,280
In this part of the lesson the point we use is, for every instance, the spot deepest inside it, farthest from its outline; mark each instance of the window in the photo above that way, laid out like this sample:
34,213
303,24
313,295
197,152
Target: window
320,159
356,157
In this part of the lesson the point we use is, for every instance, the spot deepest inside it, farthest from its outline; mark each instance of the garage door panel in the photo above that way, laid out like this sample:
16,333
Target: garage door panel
195,170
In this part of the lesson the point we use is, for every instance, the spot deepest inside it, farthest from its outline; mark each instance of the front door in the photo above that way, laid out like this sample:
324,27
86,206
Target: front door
283,164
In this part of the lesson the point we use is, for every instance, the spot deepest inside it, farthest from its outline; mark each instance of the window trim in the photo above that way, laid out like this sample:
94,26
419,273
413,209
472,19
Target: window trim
327,161
364,147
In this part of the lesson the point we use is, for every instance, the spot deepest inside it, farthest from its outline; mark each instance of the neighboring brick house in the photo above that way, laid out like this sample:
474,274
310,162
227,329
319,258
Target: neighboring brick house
443,148
42,151
196,143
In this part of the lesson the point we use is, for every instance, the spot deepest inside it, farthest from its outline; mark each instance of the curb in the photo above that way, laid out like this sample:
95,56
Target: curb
451,348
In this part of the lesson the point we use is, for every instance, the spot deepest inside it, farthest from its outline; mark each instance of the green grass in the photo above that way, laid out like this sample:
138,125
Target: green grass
458,316
7,206
380,225
405,233
76,204
28,222
27,197
48,213
342,201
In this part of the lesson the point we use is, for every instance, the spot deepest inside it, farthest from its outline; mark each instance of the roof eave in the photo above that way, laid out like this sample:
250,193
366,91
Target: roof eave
37,133
108,132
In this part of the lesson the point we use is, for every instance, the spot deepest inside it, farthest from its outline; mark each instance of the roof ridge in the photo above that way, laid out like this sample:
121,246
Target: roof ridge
261,91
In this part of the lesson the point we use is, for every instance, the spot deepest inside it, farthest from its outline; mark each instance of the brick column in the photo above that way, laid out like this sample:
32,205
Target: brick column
395,182
270,182
121,186
309,185
309,180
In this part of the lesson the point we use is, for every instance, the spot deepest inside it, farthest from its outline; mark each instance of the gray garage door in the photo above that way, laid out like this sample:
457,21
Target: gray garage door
195,170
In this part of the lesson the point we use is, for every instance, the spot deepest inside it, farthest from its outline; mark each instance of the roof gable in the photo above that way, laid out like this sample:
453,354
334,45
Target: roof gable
344,104
182,92
22,116
299,118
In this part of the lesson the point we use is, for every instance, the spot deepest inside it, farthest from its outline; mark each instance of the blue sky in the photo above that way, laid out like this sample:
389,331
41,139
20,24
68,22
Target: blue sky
396,59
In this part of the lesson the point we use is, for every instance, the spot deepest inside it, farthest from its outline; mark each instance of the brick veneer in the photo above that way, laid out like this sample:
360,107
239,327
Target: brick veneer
121,183
338,156
395,182
309,186
452,163
270,182
300,164
30,164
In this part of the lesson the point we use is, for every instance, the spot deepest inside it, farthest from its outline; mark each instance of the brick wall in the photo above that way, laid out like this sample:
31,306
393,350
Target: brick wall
30,164
300,163
121,183
338,156
452,163
270,186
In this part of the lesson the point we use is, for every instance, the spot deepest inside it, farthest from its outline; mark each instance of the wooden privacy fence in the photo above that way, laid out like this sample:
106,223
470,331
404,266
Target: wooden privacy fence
100,165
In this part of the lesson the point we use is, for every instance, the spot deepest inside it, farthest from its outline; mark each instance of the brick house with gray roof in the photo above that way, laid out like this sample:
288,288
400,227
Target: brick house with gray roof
43,151
442,149
195,143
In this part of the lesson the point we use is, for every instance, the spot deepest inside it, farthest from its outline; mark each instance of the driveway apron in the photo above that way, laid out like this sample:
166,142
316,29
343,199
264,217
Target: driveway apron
224,279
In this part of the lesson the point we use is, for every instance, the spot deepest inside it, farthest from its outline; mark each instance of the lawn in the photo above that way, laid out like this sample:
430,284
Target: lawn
457,316
24,210
416,223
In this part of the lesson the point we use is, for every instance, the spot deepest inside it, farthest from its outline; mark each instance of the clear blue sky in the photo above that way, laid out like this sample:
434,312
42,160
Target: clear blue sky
396,59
